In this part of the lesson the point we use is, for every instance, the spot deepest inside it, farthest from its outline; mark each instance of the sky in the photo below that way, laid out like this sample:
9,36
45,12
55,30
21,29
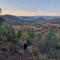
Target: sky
30,7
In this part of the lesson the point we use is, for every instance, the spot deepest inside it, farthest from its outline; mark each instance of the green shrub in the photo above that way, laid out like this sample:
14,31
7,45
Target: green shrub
30,37
1,20
29,41
7,31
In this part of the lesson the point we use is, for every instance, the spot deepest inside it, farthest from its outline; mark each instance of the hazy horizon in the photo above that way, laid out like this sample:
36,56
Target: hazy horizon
30,7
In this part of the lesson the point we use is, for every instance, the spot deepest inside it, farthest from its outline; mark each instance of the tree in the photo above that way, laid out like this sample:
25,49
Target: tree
0,10
1,19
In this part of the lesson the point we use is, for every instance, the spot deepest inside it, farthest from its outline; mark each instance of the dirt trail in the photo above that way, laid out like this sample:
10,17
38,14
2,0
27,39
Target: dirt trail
16,56
27,55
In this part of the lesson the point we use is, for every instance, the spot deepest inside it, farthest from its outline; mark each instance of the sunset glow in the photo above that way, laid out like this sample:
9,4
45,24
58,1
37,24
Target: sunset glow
30,7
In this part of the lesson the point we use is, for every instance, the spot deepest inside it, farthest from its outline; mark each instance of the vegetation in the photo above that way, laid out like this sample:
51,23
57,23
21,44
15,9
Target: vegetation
50,46
1,20
30,36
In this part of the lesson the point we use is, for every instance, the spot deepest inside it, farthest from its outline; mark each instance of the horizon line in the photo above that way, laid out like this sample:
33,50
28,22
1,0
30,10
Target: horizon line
29,15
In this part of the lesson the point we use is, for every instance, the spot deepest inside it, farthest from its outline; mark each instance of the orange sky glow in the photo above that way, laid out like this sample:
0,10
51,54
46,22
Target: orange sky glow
29,13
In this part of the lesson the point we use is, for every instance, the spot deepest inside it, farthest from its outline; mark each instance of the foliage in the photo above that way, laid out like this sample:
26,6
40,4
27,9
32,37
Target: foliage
56,44
53,40
52,36
48,46
9,33
30,34
1,20
18,34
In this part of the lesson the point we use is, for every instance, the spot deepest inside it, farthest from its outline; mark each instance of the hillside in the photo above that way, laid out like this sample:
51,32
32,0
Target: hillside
27,19
55,20
30,19
43,41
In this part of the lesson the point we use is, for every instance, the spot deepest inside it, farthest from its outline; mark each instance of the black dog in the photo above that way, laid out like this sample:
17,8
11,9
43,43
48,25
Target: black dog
25,46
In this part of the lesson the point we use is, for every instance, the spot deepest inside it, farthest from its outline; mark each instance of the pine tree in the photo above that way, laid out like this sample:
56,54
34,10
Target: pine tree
1,19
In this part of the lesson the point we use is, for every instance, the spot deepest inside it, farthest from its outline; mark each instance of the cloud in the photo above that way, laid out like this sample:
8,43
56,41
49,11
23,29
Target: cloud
29,13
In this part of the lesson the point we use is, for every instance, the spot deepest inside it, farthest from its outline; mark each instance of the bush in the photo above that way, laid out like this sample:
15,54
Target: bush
29,41
56,44
1,20
8,32
30,37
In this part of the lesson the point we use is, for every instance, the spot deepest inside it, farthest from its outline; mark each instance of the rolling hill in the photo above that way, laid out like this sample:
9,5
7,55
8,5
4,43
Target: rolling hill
29,19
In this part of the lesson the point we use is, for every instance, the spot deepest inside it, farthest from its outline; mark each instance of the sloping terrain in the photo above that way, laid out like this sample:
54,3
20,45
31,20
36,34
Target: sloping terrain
8,51
57,21
27,19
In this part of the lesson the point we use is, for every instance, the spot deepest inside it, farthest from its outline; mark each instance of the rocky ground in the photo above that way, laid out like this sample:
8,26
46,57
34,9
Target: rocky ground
9,51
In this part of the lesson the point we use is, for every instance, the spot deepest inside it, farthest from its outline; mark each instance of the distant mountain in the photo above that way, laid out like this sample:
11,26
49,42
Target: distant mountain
27,19
55,21
45,17
11,19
